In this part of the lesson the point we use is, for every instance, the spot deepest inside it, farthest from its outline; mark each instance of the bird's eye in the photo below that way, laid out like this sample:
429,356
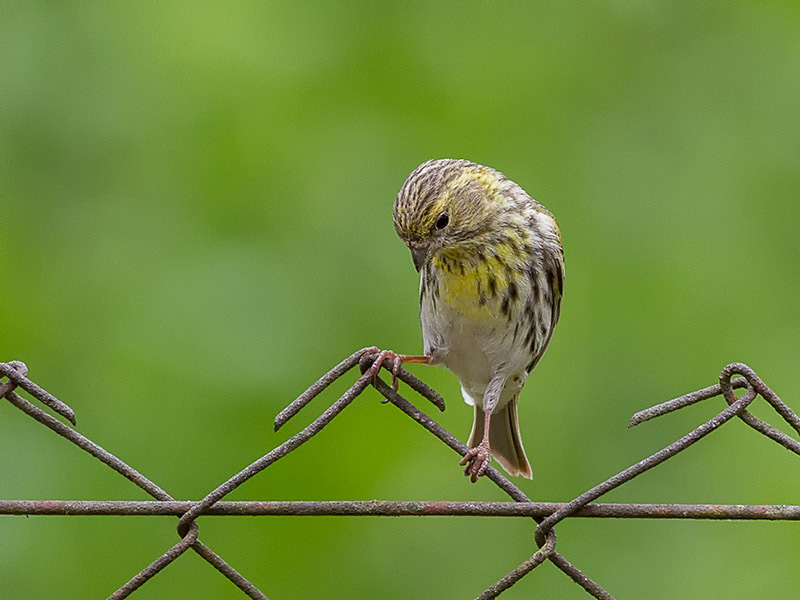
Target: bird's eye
442,221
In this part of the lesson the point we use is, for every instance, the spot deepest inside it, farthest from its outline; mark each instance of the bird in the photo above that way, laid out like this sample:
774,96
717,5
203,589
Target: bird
491,266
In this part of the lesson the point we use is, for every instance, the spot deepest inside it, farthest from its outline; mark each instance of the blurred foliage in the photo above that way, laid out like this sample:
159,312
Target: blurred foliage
196,207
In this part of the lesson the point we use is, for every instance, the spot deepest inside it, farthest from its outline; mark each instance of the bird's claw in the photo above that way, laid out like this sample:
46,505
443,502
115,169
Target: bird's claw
476,460
397,361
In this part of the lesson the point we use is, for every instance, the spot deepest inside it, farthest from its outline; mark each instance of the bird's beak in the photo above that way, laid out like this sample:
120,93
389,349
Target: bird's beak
419,254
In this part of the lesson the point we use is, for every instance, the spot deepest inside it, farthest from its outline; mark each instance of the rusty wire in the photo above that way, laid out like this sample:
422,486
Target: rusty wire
398,508
546,514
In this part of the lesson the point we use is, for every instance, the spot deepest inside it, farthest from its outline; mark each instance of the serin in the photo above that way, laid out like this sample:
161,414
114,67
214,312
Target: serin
492,271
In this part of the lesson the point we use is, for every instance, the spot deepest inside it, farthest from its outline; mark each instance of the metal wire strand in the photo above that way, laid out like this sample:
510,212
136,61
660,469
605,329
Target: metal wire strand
16,371
771,397
725,388
396,508
681,402
318,387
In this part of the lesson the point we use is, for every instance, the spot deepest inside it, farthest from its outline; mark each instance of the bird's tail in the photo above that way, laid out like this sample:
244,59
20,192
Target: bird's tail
504,438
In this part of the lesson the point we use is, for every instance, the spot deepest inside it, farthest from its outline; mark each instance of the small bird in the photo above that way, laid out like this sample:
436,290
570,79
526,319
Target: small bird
492,271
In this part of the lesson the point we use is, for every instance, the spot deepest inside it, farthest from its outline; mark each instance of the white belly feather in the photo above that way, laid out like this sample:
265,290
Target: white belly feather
476,350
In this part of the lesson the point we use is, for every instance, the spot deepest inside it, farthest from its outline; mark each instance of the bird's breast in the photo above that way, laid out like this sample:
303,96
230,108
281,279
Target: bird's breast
469,323
479,288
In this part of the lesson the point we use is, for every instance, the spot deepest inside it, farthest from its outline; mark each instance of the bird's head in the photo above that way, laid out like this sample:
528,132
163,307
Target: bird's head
445,204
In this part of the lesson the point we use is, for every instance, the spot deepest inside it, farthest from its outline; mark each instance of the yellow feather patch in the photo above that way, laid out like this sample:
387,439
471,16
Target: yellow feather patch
486,178
476,289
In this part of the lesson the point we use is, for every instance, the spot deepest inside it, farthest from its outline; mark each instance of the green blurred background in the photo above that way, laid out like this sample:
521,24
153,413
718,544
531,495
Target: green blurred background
196,207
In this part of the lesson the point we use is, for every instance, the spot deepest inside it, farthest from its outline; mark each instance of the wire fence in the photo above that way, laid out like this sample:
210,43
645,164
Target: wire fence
546,514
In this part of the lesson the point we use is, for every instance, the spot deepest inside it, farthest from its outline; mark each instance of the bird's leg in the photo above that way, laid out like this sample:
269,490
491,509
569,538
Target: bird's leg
477,459
398,360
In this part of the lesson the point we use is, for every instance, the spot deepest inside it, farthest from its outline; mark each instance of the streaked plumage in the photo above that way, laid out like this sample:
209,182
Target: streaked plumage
492,269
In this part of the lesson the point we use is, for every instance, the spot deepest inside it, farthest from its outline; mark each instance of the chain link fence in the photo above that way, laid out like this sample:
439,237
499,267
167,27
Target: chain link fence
13,377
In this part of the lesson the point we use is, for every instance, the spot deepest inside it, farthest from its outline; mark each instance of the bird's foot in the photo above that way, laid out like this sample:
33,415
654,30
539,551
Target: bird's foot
476,460
397,362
